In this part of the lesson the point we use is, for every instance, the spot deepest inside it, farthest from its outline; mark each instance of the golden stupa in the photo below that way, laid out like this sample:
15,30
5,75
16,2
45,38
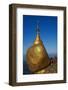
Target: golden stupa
37,57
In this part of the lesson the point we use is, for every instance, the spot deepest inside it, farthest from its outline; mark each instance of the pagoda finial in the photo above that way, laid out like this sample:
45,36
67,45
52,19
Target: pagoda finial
37,40
37,28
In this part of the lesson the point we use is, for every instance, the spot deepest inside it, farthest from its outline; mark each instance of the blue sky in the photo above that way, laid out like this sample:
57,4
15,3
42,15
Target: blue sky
48,32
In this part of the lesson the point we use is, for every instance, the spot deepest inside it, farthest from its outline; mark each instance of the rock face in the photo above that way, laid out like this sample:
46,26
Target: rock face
52,68
37,57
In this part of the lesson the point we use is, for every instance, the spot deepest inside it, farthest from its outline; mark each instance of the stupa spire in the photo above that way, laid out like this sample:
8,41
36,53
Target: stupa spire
37,40
37,29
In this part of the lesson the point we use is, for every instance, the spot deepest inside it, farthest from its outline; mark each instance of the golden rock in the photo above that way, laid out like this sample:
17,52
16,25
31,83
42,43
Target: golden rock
37,57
